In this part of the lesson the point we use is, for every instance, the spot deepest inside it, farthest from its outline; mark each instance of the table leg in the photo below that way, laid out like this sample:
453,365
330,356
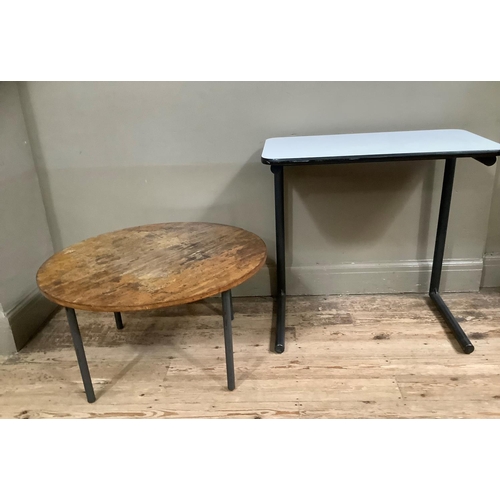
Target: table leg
232,307
228,338
80,354
437,263
118,321
279,207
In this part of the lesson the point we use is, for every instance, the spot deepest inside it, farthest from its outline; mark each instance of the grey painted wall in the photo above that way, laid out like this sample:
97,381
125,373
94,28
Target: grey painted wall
491,273
117,154
24,235
493,241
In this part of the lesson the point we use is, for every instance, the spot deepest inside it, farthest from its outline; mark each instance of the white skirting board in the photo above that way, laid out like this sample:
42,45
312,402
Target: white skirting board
360,278
7,344
26,318
491,272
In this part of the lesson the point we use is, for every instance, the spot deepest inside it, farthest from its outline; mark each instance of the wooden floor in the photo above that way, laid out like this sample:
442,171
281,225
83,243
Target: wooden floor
378,356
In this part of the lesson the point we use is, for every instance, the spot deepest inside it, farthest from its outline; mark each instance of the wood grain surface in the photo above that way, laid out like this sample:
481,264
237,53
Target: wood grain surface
379,356
151,266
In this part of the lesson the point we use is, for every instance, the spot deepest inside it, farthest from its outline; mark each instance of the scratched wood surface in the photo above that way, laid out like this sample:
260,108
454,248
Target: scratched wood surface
151,266
380,356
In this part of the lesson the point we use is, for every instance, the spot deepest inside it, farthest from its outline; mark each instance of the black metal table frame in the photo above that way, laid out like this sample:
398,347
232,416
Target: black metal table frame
277,168
227,314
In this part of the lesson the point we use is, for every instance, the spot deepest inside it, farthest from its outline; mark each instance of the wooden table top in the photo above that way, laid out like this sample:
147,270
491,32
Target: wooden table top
151,266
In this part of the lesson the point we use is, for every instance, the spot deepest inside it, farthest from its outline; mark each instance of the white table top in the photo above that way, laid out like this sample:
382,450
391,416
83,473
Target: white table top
417,143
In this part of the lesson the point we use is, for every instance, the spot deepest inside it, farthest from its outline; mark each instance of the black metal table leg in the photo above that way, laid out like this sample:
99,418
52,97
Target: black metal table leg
118,321
231,303
80,354
437,263
279,207
228,338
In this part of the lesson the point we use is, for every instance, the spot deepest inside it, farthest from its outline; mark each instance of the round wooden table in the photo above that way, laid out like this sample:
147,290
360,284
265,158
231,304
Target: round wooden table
151,267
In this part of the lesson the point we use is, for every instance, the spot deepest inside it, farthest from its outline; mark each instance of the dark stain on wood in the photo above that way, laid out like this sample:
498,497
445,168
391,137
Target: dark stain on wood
382,336
328,319
474,315
478,335
291,331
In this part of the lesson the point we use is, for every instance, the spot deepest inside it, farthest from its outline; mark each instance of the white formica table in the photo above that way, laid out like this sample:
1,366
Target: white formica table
446,144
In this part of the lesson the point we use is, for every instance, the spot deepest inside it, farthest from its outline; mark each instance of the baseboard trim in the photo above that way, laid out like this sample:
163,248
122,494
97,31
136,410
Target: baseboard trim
360,278
491,271
28,315
7,345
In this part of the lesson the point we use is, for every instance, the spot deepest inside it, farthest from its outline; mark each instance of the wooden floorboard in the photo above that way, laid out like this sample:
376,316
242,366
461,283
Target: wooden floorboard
379,356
